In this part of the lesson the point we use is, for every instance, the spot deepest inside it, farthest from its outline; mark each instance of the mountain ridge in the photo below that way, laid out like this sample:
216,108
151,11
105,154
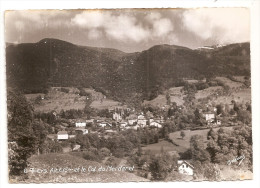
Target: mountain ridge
34,67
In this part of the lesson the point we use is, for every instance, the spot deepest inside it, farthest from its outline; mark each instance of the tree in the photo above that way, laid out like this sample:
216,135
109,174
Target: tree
182,134
20,131
168,98
40,132
38,100
197,149
160,166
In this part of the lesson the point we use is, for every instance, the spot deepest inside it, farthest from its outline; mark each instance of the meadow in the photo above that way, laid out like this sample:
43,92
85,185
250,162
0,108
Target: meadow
185,142
165,146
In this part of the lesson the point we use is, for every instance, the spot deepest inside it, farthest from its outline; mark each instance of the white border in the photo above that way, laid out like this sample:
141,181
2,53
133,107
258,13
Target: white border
59,4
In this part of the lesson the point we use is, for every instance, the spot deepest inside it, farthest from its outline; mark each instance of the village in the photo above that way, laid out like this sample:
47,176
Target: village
119,122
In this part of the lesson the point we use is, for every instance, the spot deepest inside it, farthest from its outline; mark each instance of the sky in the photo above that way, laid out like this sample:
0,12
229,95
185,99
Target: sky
131,30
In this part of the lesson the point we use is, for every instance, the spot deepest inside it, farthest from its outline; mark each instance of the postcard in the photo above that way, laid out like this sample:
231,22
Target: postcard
129,95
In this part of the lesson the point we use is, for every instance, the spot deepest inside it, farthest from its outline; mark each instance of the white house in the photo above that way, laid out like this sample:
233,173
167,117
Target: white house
123,124
62,135
159,120
117,116
81,123
155,124
104,124
185,168
210,117
141,121
131,119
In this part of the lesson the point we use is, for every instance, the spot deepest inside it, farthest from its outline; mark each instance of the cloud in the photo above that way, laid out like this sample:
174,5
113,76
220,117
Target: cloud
124,27
94,34
89,19
37,19
223,25
160,26
119,27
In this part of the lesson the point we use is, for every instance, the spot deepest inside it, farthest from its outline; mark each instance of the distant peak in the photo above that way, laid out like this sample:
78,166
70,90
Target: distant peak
53,41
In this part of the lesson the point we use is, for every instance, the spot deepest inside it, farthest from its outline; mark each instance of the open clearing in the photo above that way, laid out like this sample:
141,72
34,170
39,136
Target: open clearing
104,104
207,92
239,95
58,100
185,142
167,146
175,95
229,82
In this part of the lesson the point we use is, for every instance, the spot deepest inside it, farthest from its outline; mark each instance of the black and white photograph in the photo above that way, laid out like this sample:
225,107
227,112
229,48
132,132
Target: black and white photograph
128,95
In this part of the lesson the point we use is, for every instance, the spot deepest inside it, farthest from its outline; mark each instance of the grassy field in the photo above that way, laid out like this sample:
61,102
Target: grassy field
49,161
239,95
229,82
167,147
103,104
185,142
175,94
207,92
57,100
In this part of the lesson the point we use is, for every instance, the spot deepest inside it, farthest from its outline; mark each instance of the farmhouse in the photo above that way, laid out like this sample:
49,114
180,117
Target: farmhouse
62,135
185,168
210,117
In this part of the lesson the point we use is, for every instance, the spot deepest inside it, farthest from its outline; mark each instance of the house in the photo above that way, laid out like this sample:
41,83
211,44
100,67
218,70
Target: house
62,135
131,119
149,114
218,122
210,117
104,124
141,121
159,119
135,127
123,124
89,121
76,148
185,168
81,130
72,136
80,123
155,124
117,116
